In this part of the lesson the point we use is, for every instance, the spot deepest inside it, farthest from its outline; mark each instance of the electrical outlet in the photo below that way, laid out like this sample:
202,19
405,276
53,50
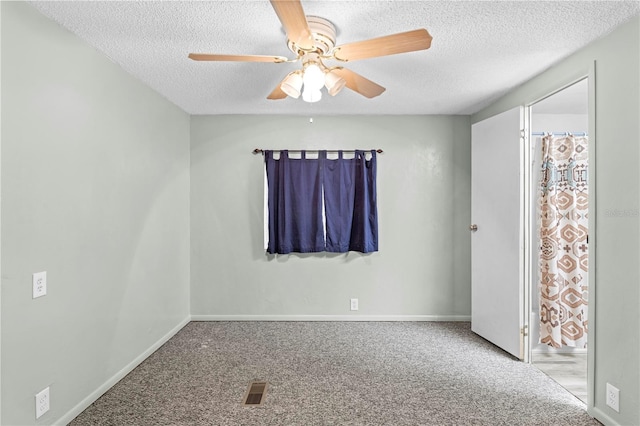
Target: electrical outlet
354,304
613,397
39,284
42,402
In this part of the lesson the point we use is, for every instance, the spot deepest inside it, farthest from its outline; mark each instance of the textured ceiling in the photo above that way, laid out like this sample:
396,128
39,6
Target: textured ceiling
480,49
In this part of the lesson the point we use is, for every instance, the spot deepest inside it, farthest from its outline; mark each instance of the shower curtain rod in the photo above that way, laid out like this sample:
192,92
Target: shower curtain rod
559,134
260,151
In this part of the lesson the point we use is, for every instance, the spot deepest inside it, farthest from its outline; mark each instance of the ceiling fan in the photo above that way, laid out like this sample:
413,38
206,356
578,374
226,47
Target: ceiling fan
312,39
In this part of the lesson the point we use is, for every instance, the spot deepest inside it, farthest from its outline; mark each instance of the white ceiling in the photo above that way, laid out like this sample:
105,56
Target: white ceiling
480,49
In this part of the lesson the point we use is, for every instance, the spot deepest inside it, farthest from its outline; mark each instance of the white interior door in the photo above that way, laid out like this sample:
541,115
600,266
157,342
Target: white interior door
497,287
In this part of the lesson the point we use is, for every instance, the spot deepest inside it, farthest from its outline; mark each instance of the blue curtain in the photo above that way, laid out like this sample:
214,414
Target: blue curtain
350,203
295,189
295,204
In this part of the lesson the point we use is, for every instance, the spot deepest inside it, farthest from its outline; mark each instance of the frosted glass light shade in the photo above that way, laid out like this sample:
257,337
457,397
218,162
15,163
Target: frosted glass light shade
292,84
313,77
311,95
334,83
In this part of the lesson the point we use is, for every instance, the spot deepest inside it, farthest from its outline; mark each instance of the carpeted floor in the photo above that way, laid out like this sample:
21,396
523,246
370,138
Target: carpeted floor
335,373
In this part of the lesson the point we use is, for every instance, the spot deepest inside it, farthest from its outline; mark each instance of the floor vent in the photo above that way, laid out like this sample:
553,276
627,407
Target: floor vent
255,394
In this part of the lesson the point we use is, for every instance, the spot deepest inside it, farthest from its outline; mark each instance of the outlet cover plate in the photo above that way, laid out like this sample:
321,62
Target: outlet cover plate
42,402
613,397
39,284
354,304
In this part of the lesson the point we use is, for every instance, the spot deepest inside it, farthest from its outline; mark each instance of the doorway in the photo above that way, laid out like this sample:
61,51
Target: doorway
560,122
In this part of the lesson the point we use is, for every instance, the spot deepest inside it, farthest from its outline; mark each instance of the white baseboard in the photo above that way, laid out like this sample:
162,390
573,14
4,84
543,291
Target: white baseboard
601,416
85,403
330,318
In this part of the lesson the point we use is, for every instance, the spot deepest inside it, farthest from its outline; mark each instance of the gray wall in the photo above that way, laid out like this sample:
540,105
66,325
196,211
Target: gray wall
614,209
422,270
574,122
95,190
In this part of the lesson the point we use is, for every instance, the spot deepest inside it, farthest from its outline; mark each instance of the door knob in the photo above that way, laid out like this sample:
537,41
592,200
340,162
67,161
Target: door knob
473,228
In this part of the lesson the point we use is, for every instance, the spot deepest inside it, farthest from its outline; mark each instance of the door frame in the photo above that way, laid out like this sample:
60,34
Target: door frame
529,222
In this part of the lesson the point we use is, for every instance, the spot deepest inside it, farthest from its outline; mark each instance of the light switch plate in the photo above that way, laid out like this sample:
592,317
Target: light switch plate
39,284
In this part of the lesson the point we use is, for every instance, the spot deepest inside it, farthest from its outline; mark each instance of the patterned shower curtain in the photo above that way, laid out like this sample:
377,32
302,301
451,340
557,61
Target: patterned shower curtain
563,215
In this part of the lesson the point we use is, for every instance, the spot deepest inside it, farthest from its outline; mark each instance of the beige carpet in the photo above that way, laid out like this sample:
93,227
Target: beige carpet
335,373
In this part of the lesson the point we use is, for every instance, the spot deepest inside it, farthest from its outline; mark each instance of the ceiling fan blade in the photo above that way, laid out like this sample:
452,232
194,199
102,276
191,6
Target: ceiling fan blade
409,41
236,58
277,93
359,84
294,21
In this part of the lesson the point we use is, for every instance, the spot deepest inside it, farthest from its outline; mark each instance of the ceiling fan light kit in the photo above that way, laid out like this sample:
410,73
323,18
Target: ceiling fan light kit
292,84
311,95
333,82
313,80
313,39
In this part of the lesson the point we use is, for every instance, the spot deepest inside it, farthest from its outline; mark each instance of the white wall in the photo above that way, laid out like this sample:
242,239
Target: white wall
95,190
423,267
614,187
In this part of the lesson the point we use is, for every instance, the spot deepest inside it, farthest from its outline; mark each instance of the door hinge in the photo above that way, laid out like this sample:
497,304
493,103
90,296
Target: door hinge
524,331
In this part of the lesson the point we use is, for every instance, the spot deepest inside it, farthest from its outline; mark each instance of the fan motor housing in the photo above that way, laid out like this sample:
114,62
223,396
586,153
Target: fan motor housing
324,34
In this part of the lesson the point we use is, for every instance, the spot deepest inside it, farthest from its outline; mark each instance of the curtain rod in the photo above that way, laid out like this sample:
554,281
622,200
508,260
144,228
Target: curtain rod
559,134
260,151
